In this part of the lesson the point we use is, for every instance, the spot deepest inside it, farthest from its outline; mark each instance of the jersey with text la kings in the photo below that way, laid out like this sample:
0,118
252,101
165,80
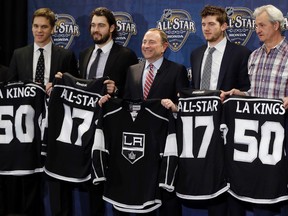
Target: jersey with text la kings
22,106
200,145
72,115
135,152
255,156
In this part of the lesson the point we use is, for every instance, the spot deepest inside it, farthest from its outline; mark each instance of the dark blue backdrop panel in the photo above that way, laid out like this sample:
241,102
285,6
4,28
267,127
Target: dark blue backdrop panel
137,16
146,14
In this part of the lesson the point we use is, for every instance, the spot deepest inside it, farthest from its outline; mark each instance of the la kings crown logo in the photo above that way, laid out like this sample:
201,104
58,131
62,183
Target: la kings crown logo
241,25
65,30
133,146
177,24
125,28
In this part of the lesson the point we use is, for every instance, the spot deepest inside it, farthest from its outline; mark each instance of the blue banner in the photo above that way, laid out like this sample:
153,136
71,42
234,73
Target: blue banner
179,19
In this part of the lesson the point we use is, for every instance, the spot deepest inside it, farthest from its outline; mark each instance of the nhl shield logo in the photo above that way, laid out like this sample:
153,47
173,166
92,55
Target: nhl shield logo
286,22
133,146
241,24
65,30
178,25
125,28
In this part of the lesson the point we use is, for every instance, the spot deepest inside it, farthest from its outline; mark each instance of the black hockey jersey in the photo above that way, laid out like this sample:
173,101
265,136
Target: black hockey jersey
255,158
21,113
201,173
72,116
135,152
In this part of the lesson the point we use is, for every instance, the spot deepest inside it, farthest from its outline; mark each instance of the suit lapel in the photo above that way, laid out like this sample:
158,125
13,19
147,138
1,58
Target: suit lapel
28,57
86,59
197,67
111,58
138,77
224,63
54,57
160,76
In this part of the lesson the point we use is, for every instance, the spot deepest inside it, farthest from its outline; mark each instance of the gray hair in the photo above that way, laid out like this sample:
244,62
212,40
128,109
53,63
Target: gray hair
275,15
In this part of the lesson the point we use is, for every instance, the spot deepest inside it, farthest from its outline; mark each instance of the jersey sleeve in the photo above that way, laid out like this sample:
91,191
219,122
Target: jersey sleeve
44,133
99,154
170,158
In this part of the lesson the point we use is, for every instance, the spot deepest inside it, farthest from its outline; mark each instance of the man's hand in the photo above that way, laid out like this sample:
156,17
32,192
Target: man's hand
58,75
168,104
49,88
285,102
110,86
104,99
224,94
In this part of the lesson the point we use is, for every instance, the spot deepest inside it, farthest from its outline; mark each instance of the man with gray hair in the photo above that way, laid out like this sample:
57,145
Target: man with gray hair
268,72
268,63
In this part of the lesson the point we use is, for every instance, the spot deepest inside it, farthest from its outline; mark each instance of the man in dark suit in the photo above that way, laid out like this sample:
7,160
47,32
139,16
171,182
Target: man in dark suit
3,73
24,60
114,59
113,62
229,70
229,67
24,193
169,77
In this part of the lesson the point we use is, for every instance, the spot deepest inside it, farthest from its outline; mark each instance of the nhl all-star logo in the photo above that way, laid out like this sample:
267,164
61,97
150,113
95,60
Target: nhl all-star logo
241,25
65,30
133,146
178,25
286,22
125,28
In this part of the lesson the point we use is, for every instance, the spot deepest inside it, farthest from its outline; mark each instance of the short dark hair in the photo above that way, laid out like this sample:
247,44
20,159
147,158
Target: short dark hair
47,13
219,12
102,11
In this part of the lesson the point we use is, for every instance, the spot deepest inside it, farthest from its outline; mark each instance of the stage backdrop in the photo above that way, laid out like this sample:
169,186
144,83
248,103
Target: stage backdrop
180,19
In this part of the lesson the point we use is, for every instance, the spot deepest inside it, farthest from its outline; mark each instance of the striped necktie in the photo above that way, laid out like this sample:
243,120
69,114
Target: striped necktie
148,81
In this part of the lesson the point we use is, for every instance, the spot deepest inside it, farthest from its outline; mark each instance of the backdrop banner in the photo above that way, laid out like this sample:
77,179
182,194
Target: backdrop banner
179,19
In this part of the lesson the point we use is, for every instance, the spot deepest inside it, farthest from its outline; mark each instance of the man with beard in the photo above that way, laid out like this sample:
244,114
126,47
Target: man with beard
114,58
228,70
112,61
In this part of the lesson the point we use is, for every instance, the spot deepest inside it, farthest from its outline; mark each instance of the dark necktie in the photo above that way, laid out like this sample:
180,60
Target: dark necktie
93,68
206,76
148,81
39,77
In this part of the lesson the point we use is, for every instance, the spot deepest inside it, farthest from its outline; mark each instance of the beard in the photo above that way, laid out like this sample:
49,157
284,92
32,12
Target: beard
103,39
215,37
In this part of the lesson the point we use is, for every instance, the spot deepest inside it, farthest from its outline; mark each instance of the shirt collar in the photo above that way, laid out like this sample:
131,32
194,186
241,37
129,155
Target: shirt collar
46,47
281,47
220,46
157,64
106,48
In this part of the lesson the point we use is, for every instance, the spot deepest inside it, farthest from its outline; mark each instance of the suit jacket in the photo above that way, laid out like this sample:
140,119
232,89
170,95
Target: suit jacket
170,78
3,73
233,70
21,65
119,59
